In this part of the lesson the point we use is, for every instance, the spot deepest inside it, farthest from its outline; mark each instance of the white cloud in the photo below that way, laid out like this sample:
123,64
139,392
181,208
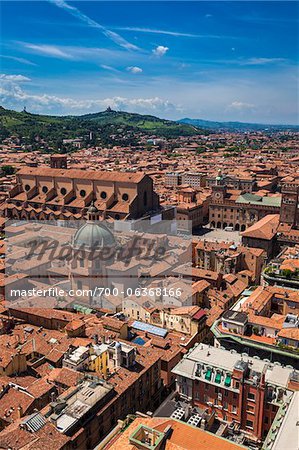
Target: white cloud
139,104
48,50
14,78
172,33
160,50
13,96
119,40
95,54
263,61
155,31
134,69
106,67
241,106
20,60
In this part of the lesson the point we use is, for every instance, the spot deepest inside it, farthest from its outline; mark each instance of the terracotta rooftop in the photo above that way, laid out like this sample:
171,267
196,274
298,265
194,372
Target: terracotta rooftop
265,228
126,177
16,438
289,333
183,436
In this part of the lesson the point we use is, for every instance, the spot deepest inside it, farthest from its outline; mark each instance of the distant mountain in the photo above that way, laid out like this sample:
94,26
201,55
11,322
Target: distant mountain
236,126
104,124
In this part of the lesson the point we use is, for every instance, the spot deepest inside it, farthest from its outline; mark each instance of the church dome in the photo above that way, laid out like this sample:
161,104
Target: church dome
92,235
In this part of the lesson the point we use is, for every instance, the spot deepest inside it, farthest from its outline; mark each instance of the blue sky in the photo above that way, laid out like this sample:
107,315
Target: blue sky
211,60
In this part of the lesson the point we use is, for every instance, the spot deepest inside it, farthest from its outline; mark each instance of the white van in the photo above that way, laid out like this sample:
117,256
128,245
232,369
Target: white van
229,229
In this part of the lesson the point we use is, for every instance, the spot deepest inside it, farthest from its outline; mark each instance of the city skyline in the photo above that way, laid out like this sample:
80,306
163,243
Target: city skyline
211,60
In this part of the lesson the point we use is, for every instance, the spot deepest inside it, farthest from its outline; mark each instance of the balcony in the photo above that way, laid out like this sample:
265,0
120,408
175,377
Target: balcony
255,341
281,277
254,338
215,376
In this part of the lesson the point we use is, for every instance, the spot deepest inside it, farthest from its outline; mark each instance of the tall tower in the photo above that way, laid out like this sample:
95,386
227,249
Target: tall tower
219,188
289,204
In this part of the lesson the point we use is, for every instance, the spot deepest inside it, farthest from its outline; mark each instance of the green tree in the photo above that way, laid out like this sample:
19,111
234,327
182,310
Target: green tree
8,170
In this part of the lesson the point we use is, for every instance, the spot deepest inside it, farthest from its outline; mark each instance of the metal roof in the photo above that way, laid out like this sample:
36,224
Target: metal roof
34,422
149,328
258,200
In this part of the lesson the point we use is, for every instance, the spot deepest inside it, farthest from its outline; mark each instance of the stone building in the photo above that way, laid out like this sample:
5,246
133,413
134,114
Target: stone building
236,209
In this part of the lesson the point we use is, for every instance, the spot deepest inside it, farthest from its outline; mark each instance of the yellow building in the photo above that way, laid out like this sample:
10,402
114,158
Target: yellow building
98,361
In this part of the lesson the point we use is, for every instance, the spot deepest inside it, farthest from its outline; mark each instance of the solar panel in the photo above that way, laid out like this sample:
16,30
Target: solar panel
149,328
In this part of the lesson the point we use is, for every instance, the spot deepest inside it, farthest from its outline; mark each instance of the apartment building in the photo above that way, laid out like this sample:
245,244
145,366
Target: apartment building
237,388
283,270
192,179
265,323
229,258
173,179
245,183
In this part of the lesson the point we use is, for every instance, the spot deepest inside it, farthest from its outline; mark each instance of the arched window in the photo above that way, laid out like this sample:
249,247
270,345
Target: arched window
63,191
103,195
82,193
44,189
125,197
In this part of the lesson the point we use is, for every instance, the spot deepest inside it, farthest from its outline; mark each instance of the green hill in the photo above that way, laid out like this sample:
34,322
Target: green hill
236,126
123,126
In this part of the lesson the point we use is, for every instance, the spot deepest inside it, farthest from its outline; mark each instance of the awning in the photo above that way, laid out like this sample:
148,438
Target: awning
218,377
208,375
228,380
